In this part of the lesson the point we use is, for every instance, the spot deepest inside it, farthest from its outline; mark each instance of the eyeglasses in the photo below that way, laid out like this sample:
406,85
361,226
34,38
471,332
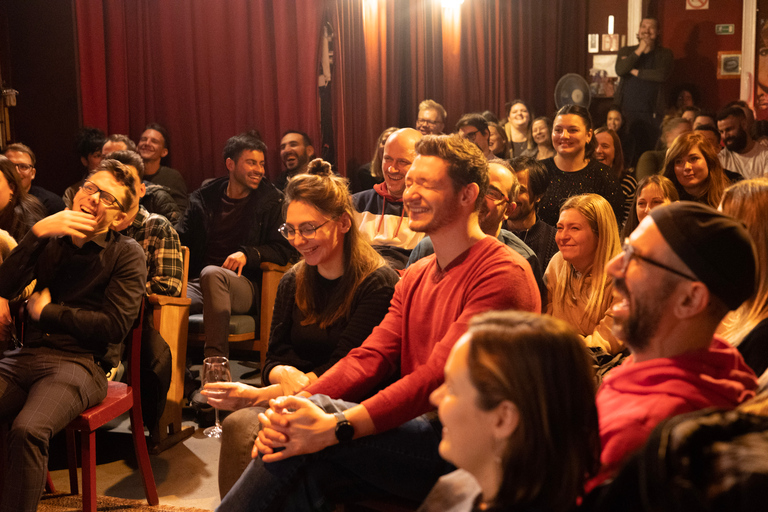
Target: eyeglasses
307,231
471,135
24,168
629,253
427,122
105,197
496,194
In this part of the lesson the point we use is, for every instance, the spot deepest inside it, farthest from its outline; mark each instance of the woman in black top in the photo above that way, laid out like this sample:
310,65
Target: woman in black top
18,211
574,170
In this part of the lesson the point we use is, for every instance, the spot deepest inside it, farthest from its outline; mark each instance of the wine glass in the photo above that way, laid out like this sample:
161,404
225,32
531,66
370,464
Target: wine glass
215,369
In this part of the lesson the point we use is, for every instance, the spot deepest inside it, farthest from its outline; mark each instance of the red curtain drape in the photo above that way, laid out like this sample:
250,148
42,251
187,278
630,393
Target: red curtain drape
473,58
209,70
206,70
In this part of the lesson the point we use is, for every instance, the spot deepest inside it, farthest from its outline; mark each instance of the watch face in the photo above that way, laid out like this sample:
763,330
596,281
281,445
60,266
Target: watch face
344,431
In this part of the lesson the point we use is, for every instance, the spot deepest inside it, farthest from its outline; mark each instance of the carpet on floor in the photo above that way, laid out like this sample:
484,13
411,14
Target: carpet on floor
74,503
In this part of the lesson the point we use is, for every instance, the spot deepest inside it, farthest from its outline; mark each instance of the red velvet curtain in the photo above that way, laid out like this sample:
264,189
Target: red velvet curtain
211,69
206,70
473,58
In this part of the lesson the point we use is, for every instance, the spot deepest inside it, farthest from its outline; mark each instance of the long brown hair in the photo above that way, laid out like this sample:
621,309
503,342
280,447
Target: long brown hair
747,201
23,210
617,167
540,364
716,180
328,192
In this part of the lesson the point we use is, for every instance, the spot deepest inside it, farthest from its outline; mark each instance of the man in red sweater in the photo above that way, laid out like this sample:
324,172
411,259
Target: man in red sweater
682,270
323,450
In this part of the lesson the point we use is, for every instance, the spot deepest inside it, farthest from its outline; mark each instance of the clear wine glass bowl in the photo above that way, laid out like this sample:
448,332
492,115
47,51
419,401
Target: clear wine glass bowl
215,369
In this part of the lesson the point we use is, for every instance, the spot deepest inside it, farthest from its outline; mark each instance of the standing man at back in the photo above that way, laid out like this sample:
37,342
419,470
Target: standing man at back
153,146
644,68
230,227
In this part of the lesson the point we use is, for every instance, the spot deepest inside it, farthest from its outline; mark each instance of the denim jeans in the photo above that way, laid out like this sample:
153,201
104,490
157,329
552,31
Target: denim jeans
403,462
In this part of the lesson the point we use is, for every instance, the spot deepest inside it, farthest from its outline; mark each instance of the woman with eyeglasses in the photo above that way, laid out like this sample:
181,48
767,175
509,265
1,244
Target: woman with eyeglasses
18,210
579,290
326,305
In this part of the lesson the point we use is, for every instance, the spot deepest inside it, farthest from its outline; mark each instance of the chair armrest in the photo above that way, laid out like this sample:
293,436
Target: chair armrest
269,266
164,300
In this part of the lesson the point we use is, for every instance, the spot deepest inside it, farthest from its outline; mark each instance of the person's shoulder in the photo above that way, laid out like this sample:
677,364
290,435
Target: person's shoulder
513,241
383,276
170,172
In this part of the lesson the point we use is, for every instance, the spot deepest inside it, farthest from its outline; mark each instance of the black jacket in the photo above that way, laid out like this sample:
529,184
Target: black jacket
261,241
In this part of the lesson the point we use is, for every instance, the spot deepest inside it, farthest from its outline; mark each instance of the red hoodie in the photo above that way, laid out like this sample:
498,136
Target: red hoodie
635,397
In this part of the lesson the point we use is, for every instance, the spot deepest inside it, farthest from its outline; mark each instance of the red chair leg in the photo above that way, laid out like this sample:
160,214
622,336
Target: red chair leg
88,456
72,461
49,487
142,455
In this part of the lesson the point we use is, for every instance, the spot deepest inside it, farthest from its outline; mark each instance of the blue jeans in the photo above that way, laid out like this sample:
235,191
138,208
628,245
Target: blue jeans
403,462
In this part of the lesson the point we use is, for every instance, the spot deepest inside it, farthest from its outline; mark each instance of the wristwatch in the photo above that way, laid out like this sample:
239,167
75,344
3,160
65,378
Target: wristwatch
345,431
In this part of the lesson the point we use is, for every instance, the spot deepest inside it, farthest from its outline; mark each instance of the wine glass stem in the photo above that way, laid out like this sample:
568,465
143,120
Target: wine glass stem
216,412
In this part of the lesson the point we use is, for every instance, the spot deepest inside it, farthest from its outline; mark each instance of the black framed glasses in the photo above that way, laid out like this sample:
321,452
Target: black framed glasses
307,231
24,168
629,253
496,194
105,197
471,135
427,122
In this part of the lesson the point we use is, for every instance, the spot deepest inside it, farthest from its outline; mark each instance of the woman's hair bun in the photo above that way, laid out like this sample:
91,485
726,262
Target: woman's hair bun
319,167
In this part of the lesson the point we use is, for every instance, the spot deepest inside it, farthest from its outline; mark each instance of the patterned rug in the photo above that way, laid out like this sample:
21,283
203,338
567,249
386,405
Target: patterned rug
70,503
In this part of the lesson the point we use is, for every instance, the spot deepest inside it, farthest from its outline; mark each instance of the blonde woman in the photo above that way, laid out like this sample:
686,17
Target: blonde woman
579,290
747,327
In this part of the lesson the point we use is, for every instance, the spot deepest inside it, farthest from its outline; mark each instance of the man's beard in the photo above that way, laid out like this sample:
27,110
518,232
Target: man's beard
488,224
644,316
737,142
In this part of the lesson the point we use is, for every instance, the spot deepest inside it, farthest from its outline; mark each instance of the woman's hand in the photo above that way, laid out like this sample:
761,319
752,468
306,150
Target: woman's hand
291,380
232,396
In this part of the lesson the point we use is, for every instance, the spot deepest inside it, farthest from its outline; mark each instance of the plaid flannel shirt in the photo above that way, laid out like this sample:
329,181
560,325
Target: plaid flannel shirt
162,248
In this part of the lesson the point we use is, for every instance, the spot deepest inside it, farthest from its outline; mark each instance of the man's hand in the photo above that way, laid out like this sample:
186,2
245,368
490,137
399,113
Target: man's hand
291,379
6,322
78,225
232,396
293,426
235,262
37,302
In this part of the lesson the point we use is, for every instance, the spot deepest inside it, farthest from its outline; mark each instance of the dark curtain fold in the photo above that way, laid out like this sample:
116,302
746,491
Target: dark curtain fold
211,69
206,70
476,58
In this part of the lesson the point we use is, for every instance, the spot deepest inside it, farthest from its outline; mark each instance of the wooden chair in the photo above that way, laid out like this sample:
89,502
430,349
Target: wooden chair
121,397
171,319
243,334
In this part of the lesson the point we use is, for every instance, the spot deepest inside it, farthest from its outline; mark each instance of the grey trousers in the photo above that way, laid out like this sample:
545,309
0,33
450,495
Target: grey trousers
219,293
41,391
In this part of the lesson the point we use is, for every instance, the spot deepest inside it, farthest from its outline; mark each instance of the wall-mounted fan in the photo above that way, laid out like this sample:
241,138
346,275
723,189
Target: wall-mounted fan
572,89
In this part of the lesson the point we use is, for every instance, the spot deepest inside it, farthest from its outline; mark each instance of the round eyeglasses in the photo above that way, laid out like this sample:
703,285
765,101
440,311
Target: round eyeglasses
307,231
105,197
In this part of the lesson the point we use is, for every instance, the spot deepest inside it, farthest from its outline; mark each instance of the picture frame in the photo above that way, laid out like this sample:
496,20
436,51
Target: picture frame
728,65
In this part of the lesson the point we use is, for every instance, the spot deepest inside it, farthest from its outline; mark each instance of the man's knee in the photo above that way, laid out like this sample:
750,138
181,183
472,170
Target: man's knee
213,275
29,433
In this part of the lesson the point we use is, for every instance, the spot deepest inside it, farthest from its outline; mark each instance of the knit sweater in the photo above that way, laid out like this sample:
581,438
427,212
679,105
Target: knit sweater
430,311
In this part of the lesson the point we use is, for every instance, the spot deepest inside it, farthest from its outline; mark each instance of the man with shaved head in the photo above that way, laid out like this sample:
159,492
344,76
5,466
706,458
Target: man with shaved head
382,218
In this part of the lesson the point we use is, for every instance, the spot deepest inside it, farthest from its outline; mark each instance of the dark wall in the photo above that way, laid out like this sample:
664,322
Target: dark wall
41,64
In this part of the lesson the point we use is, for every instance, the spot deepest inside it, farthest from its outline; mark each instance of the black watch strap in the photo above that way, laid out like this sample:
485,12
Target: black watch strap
345,431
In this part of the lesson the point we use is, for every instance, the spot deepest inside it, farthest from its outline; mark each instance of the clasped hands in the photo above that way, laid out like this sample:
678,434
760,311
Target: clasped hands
293,425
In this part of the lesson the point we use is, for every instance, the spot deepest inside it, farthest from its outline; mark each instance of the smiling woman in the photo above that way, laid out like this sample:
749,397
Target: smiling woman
18,211
519,417
579,290
326,305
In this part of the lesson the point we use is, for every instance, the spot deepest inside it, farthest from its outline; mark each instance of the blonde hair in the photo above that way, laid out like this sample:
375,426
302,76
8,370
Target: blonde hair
747,201
327,192
601,219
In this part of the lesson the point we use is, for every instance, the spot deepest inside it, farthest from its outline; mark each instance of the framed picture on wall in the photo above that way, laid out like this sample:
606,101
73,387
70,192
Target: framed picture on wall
728,64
